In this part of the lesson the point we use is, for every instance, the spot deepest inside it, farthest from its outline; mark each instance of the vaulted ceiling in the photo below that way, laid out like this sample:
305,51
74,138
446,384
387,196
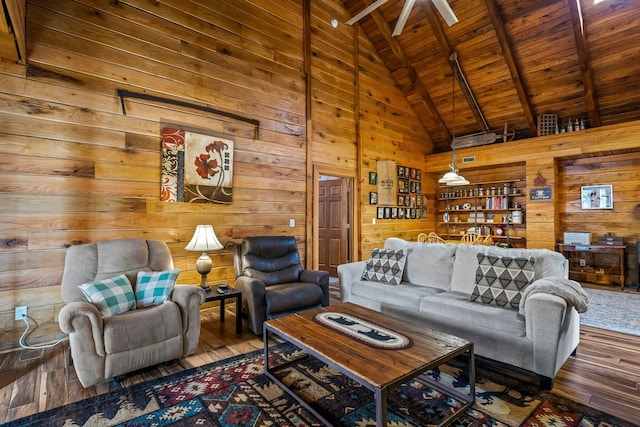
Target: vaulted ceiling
521,59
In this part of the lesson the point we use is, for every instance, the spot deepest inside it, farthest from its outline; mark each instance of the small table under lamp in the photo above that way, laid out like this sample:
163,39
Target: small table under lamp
204,239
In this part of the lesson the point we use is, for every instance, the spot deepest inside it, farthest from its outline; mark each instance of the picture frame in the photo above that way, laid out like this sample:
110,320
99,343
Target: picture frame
596,197
380,212
373,198
373,178
403,186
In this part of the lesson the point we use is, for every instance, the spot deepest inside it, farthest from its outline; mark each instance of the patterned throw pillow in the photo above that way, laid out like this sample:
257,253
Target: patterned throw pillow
154,287
385,266
111,296
500,280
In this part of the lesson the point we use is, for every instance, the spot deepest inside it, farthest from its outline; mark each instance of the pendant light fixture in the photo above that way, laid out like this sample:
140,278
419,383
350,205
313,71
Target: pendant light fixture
452,177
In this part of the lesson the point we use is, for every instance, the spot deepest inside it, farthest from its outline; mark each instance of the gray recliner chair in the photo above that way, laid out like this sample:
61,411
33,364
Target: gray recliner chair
273,281
105,347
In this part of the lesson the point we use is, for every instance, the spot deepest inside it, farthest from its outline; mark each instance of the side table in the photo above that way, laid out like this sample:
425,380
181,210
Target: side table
212,294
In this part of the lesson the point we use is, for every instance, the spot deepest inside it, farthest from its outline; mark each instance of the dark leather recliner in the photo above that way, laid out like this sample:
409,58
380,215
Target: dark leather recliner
273,281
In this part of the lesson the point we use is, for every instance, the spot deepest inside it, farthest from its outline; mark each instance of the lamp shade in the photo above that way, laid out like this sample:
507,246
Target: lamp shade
452,178
204,239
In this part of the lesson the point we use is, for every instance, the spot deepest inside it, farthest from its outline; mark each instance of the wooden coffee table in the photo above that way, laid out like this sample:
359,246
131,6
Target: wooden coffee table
379,370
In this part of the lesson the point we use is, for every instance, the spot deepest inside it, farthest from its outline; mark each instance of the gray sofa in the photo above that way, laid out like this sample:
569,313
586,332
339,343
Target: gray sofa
538,336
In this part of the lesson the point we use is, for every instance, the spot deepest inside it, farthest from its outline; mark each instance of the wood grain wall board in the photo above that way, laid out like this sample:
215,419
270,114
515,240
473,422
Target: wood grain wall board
44,203
29,279
45,129
14,183
10,261
32,221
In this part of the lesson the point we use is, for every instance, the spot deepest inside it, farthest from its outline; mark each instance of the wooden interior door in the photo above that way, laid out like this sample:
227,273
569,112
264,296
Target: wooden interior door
333,224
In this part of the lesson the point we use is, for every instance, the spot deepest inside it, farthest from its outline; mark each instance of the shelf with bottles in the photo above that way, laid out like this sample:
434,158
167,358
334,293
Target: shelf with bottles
483,190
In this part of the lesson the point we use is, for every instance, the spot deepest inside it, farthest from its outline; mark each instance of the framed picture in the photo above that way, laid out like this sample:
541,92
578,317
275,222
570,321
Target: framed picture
400,171
403,185
197,167
401,200
373,198
394,212
380,213
373,178
597,197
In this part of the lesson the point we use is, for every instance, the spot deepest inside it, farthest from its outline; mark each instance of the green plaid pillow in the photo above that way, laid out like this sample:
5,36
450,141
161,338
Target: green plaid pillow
154,287
111,296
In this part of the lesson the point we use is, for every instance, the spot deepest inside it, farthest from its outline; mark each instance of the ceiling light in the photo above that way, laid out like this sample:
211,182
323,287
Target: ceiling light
452,177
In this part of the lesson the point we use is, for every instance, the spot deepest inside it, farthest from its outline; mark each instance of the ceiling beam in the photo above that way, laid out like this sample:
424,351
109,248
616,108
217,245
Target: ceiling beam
415,81
447,50
584,60
509,57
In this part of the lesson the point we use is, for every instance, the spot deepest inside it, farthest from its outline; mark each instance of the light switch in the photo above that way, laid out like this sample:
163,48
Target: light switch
292,223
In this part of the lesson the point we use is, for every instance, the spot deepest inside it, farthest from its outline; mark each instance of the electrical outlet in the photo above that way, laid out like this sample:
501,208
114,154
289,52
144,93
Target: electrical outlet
21,312
583,263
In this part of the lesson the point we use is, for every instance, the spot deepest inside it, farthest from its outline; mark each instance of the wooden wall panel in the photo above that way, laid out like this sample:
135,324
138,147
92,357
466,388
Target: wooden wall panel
389,131
622,171
75,169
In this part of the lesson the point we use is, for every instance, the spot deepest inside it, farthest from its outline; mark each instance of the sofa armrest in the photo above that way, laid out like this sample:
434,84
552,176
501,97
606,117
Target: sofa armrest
321,278
189,298
349,273
253,301
553,327
83,322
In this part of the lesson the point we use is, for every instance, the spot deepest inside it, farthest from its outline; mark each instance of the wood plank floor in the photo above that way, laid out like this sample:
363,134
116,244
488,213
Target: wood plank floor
604,374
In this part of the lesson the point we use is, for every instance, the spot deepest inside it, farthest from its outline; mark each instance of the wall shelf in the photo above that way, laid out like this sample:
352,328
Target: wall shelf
493,208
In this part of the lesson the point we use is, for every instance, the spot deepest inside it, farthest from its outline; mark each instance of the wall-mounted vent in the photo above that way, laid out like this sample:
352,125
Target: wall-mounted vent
469,159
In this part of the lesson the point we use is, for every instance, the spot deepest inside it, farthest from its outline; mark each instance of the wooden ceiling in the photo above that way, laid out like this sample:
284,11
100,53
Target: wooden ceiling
521,58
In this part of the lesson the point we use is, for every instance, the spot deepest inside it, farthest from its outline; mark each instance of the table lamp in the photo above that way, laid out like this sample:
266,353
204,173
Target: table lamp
204,239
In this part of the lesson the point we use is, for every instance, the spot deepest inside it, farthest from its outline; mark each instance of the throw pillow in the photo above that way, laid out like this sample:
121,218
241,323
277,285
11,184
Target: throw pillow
154,287
500,280
385,266
111,296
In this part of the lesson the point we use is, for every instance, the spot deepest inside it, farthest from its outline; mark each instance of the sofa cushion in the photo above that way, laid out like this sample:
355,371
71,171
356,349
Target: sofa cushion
385,266
500,280
154,287
548,263
405,294
428,264
457,307
112,296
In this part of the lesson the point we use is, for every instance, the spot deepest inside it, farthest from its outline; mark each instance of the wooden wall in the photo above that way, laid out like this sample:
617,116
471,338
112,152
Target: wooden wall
605,155
622,171
75,169
389,130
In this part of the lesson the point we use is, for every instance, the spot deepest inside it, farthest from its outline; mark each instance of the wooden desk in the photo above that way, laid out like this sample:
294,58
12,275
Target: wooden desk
595,263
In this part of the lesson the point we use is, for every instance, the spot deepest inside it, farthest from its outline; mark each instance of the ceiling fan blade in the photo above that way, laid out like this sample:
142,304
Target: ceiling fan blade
446,11
365,11
404,15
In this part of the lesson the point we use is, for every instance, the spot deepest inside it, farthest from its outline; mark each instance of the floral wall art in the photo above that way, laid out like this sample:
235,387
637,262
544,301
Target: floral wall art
196,168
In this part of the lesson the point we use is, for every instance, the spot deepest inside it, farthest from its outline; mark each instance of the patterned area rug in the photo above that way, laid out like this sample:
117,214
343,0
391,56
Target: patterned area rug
235,392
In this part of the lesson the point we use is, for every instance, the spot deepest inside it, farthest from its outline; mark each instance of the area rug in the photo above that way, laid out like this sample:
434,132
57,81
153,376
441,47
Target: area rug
612,310
235,392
